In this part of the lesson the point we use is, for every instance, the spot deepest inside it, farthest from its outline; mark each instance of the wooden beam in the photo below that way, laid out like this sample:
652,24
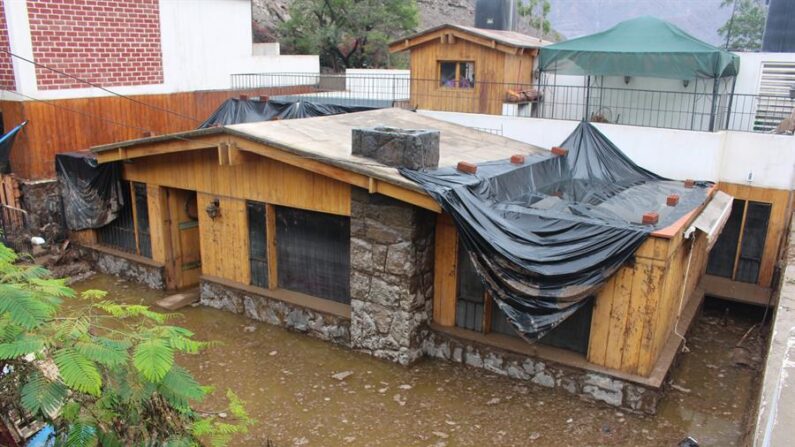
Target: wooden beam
158,148
270,234
445,271
223,154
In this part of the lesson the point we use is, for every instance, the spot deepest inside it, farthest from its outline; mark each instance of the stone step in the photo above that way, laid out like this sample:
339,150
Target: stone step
179,300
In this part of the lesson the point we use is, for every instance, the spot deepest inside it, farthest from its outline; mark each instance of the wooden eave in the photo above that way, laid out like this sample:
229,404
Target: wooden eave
448,35
228,142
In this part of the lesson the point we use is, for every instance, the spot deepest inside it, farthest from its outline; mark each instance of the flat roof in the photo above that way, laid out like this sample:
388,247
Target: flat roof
328,139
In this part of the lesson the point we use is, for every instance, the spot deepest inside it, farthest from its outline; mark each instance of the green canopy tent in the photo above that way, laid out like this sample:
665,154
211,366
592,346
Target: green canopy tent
643,47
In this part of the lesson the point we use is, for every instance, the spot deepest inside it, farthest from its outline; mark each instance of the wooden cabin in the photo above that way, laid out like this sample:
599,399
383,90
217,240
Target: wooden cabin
464,69
279,221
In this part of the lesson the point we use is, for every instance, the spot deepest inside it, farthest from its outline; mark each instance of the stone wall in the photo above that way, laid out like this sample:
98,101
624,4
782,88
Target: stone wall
327,327
588,385
124,267
391,276
42,201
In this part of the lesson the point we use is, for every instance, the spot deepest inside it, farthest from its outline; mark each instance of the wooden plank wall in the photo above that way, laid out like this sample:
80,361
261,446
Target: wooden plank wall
780,214
253,177
224,240
637,309
75,124
426,93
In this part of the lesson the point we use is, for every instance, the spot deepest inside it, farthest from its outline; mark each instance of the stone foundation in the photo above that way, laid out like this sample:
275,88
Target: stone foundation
326,327
588,385
391,276
125,267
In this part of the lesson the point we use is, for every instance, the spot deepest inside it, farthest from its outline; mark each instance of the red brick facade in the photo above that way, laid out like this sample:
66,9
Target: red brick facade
7,81
111,43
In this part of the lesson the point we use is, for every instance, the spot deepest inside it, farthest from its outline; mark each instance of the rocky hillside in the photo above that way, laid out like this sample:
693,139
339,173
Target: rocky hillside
571,18
268,14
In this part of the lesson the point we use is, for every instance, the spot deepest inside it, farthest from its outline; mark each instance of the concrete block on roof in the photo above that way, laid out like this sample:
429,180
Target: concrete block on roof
399,148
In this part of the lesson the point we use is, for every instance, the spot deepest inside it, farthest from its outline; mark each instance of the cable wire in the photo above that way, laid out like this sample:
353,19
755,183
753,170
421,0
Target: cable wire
84,81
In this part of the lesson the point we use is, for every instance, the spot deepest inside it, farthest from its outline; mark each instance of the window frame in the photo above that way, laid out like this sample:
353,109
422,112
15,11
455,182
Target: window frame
459,64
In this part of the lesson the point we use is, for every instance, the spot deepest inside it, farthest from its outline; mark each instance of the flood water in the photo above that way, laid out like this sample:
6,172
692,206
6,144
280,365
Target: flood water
286,380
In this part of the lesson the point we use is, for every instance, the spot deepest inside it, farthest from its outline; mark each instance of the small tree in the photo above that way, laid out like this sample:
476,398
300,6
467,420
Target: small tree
744,29
536,12
348,33
100,373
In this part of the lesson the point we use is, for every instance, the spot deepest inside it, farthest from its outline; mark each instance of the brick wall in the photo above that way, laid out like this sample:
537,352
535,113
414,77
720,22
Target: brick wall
111,43
7,81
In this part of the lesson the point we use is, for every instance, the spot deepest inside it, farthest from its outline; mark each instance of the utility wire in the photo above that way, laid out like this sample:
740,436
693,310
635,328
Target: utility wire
79,112
84,81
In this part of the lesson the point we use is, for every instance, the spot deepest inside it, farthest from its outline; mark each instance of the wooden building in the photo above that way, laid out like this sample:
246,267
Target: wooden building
464,69
282,213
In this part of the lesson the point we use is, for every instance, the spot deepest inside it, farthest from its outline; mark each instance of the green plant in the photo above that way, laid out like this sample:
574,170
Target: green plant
348,33
744,29
101,373
536,12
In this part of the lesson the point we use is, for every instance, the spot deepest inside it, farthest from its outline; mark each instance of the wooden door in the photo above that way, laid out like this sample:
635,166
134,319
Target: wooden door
184,225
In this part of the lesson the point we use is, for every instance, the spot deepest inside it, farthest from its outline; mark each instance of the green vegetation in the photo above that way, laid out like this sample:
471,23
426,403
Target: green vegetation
100,373
348,33
536,13
744,29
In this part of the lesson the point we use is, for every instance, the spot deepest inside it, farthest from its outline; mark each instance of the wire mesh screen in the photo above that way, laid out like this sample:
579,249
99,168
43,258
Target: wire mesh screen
469,302
313,253
142,215
753,244
120,234
257,244
721,258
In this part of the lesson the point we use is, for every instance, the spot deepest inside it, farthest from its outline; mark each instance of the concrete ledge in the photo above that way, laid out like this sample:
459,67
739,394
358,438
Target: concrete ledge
328,307
741,292
125,265
255,304
776,410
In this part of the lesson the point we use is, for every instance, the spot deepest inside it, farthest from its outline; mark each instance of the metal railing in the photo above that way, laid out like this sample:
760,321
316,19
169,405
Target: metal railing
687,110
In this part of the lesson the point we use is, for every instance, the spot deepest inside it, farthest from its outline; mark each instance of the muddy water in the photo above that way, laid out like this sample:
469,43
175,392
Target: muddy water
285,378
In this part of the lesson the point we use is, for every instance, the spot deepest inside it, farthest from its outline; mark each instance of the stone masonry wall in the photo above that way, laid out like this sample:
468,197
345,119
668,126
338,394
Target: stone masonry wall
42,201
391,276
278,313
151,276
587,385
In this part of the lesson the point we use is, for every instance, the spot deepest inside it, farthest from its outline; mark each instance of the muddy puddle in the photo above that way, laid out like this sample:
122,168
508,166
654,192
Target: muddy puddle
286,381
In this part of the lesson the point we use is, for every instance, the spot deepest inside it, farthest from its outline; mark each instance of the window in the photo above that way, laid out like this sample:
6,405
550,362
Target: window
473,302
457,74
142,219
469,304
257,243
313,253
738,252
134,215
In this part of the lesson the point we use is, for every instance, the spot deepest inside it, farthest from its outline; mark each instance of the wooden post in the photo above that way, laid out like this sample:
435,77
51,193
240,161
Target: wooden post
270,234
445,271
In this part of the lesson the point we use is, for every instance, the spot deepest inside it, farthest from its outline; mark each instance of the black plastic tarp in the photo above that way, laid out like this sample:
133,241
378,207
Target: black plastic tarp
6,143
92,193
546,234
236,111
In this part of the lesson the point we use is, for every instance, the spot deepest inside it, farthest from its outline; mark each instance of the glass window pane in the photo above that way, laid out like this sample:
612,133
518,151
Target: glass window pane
257,244
313,253
466,75
447,74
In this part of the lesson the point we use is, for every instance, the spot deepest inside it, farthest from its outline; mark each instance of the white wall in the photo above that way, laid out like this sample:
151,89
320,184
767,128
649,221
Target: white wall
203,42
716,156
751,69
